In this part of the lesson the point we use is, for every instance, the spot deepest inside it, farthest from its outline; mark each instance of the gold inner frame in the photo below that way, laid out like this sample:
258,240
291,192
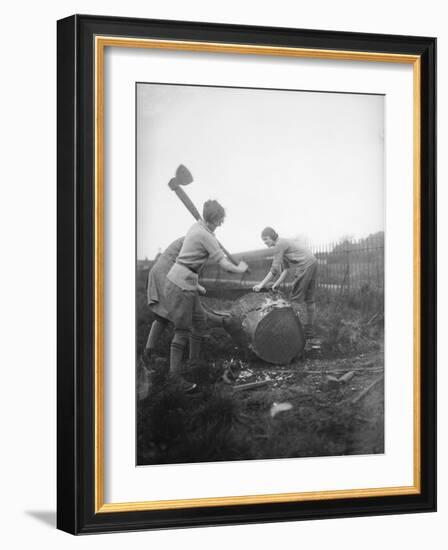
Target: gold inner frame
101,42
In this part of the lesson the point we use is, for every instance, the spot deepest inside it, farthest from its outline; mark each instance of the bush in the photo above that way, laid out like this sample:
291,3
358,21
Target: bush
352,323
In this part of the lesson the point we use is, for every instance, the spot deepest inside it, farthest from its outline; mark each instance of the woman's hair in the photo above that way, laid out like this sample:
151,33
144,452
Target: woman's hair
269,232
213,212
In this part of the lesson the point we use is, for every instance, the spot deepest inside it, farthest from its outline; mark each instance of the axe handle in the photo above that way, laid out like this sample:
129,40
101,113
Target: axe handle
187,202
194,211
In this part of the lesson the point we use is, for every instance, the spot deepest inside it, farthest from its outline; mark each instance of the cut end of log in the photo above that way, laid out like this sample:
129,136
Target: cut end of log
279,337
271,327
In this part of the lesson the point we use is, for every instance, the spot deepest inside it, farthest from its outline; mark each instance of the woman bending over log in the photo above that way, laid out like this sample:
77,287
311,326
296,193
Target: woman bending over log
289,255
156,301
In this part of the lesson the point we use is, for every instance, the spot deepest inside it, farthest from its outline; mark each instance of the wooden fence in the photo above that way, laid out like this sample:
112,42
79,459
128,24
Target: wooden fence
345,266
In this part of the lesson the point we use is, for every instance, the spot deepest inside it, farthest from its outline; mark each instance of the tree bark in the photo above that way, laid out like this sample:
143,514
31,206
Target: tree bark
268,325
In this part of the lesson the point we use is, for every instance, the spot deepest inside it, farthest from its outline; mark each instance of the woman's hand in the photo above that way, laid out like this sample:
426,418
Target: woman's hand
242,266
201,290
257,288
229,266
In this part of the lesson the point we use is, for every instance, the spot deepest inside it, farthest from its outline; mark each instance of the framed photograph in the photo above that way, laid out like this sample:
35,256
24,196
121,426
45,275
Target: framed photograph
246,274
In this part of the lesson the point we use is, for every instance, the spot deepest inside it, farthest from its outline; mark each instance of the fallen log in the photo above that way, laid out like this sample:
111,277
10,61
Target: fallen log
268,325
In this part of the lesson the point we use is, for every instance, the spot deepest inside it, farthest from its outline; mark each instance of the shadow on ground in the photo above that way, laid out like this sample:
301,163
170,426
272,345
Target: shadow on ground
48,517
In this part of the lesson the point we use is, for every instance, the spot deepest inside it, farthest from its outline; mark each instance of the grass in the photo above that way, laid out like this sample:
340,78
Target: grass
219,424
350,324
174,427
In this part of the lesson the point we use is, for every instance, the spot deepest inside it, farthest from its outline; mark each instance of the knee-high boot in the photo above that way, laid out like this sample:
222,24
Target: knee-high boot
177,350
195,347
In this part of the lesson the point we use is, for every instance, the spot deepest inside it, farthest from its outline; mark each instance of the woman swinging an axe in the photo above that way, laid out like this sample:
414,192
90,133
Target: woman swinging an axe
182,287
155,295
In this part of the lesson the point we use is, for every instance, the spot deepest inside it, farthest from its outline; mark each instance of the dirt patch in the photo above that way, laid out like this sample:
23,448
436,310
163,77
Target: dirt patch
304,409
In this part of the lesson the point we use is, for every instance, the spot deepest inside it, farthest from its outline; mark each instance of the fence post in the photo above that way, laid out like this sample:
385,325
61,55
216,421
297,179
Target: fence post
348,266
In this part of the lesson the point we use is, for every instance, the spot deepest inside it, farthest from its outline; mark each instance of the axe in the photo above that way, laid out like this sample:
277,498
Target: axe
183,177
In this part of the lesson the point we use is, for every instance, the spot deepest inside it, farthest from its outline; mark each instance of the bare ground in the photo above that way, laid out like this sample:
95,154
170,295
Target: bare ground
329,414
312,407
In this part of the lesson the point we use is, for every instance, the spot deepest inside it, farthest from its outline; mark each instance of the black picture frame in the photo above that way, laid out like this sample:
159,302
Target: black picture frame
76,511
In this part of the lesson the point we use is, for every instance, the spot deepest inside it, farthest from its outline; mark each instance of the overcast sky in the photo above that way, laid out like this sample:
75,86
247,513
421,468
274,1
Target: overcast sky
305,163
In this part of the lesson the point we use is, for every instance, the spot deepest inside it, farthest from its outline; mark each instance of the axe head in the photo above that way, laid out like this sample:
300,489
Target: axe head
183,177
